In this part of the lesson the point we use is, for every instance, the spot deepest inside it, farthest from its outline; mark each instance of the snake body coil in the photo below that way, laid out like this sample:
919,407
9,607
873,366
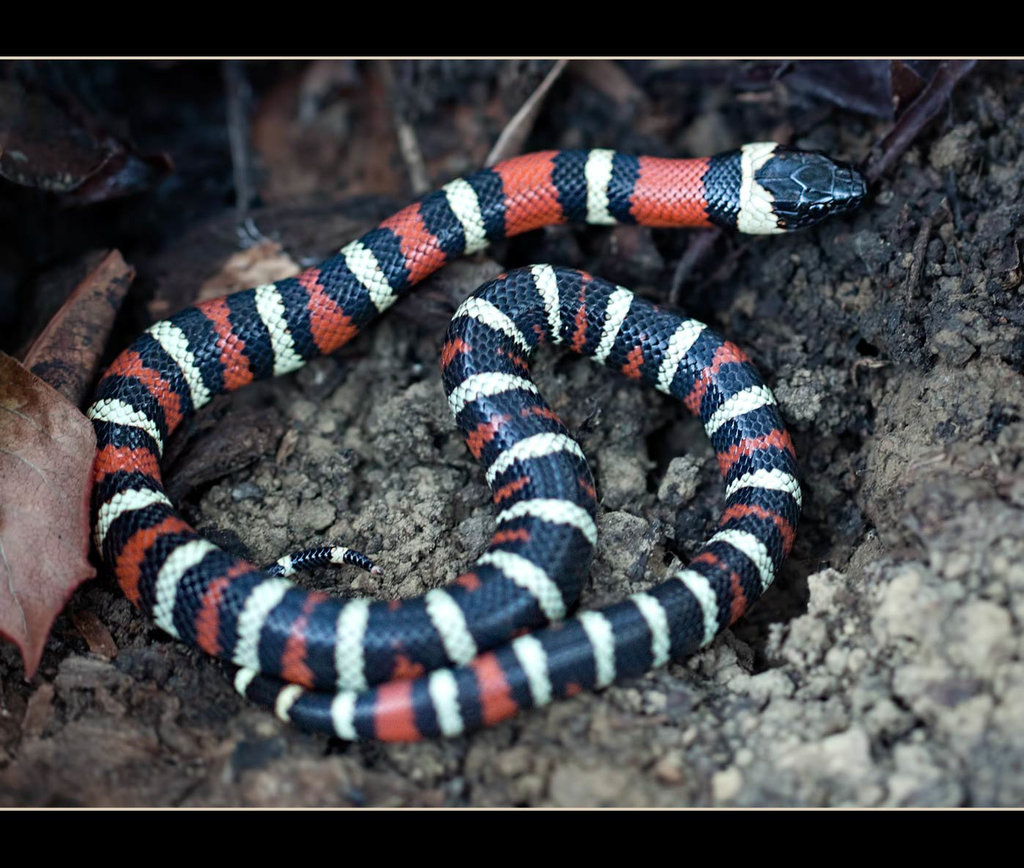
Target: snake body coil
456,658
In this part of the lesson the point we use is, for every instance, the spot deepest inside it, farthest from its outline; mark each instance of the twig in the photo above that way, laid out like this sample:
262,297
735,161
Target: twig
512,138
917,116
696,252
919,250
238,93
954,200
408,144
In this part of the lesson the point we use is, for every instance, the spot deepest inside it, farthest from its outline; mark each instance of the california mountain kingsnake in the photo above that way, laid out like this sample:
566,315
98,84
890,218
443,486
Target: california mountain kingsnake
459,657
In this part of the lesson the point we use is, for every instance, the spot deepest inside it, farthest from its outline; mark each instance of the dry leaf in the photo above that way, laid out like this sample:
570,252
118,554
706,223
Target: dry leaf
47,449
265,262
45,146
67,352
95,633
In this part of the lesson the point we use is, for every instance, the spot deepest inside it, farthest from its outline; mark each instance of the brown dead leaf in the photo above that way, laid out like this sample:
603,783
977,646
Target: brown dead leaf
95,633
67,352
262,263
40,148
46,454
50,147
287,447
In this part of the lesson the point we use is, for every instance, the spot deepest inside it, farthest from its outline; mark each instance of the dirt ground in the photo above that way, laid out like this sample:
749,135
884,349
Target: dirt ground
884,668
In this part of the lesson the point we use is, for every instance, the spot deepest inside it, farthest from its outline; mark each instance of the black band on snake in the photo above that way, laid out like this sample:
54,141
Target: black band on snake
460,657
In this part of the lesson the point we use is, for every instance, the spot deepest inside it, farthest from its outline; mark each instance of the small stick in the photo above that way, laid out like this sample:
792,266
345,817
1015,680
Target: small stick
408,144
696,252
917,116
512,138
238,93
919,250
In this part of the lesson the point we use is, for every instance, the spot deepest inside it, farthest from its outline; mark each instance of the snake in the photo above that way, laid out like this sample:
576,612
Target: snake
503,636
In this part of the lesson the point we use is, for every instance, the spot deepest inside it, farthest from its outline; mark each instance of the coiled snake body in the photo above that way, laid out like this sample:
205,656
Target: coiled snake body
461,657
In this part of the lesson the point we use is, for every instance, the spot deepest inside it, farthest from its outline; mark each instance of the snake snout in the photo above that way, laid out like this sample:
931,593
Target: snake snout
849,188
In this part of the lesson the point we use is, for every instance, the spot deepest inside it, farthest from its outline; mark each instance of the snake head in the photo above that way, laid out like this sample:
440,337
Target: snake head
806,187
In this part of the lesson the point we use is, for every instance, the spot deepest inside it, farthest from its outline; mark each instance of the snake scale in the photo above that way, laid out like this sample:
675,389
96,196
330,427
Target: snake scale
476,651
